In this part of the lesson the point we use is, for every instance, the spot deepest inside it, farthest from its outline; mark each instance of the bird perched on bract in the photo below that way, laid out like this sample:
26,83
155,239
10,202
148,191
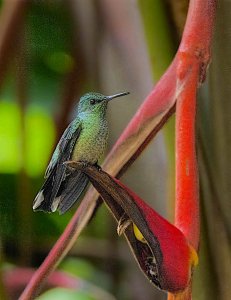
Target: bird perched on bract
85,140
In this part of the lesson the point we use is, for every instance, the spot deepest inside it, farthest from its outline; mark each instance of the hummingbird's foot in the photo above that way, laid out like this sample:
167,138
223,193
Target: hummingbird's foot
71,165
123,224
97,166
84,163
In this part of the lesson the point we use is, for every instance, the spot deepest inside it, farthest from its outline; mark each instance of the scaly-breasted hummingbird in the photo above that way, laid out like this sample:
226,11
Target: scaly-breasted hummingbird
85,140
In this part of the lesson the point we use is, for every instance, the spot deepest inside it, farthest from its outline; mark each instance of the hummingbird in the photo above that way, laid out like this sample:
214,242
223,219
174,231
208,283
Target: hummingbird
84,140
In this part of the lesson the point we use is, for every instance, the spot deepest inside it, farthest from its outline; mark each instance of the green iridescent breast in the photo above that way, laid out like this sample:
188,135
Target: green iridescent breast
92,141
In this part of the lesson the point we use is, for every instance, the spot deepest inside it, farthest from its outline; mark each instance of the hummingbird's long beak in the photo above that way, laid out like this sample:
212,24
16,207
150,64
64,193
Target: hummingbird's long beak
109,98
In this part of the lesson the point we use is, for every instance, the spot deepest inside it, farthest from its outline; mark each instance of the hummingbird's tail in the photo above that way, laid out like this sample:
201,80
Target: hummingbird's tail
43,200
50,198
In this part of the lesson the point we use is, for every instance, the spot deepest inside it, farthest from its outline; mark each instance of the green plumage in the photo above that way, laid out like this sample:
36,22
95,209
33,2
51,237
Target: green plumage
92,141
85,139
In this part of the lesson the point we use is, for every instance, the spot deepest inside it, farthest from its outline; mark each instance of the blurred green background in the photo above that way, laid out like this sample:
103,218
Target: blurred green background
55,51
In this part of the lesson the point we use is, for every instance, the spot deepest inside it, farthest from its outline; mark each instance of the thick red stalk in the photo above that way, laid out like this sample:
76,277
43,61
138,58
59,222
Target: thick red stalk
194,56
187,194
198,29
187,217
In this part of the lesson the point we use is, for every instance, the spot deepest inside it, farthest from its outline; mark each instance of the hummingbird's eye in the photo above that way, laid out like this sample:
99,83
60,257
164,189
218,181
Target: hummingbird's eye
92,101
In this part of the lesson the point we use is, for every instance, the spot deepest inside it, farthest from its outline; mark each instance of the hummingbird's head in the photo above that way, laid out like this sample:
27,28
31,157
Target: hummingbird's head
96,102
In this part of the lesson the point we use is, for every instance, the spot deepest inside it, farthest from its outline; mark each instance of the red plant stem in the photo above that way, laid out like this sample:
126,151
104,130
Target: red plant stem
187,195
199,28
194,55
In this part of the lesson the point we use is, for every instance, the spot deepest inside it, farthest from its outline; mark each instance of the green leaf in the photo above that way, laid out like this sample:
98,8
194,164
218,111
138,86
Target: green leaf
78,267
62,293
39,133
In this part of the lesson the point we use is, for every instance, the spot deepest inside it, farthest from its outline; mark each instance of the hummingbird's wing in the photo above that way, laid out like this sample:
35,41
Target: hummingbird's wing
69,136
56,170
70,190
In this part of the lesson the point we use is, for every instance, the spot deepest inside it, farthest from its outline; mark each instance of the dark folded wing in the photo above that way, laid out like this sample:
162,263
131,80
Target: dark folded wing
71,189
56,170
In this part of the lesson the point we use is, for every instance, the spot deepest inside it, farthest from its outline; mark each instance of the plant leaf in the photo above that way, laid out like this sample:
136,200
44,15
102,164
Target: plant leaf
160,249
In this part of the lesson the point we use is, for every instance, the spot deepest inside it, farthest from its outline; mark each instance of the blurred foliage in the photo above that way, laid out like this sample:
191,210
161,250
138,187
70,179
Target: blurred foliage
61,293
49,42
37,124
86,270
